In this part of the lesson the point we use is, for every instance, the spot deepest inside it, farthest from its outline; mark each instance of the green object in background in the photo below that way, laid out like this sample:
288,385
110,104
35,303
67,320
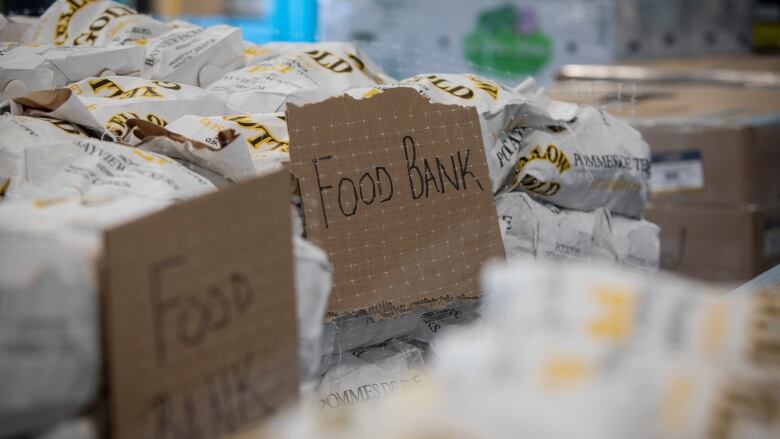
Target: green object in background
508,43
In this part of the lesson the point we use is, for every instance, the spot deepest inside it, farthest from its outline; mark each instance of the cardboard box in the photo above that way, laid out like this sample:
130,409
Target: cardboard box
199,314
711,146
727,245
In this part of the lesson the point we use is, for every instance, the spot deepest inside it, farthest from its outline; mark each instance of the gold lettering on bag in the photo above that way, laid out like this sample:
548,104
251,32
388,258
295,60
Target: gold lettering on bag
117,92
264,138
117,123
109,14
331,61
63,20
63,125
459,91
551,154
490,89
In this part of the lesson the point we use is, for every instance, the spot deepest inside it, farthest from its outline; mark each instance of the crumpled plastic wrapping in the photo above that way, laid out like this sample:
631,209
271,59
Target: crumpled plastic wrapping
228,156
105,104
313,73
93,23
264,134
92,169
545,231
372,373
313,275
589,161
26,68
176,53
112,100
194,55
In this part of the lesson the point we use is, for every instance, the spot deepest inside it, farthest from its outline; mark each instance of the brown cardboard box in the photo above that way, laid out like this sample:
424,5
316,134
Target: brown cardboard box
199,314
717,244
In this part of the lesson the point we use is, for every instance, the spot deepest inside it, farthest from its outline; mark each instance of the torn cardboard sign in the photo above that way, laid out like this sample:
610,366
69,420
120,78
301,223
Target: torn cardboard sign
200,314
397,191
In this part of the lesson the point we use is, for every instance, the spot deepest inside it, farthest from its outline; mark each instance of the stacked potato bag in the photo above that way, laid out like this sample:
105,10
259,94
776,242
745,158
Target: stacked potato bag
187,54
26,68
586,351
300,74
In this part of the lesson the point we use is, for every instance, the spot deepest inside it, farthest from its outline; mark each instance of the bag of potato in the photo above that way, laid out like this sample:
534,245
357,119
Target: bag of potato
591,160
105,104
92,168
314,73
26,68
634,243
19,132
193,55
228,156
265,135
81,22
187,54
545,231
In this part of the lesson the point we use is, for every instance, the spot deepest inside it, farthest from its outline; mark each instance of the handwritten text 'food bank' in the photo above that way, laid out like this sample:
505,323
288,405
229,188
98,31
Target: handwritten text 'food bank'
427,176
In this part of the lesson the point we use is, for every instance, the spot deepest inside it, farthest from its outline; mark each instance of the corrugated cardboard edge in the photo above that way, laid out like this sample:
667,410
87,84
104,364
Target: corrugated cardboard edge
401,91
386,310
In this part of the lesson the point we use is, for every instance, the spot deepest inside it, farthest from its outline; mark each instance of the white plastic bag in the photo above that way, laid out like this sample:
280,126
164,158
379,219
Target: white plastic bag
265,135
92,169
193,55
105,104
45,67
310,75
228,156
544,231
369,374
591,161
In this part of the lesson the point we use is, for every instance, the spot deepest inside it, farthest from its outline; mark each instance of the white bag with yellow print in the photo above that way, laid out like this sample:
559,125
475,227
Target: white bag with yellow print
311,74
265,135
105,104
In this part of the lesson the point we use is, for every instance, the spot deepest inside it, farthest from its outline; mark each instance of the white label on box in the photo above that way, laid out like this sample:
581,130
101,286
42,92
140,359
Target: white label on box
677,171
772,237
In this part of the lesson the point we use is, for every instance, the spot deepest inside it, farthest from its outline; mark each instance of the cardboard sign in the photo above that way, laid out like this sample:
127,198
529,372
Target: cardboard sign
200,314
396,190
